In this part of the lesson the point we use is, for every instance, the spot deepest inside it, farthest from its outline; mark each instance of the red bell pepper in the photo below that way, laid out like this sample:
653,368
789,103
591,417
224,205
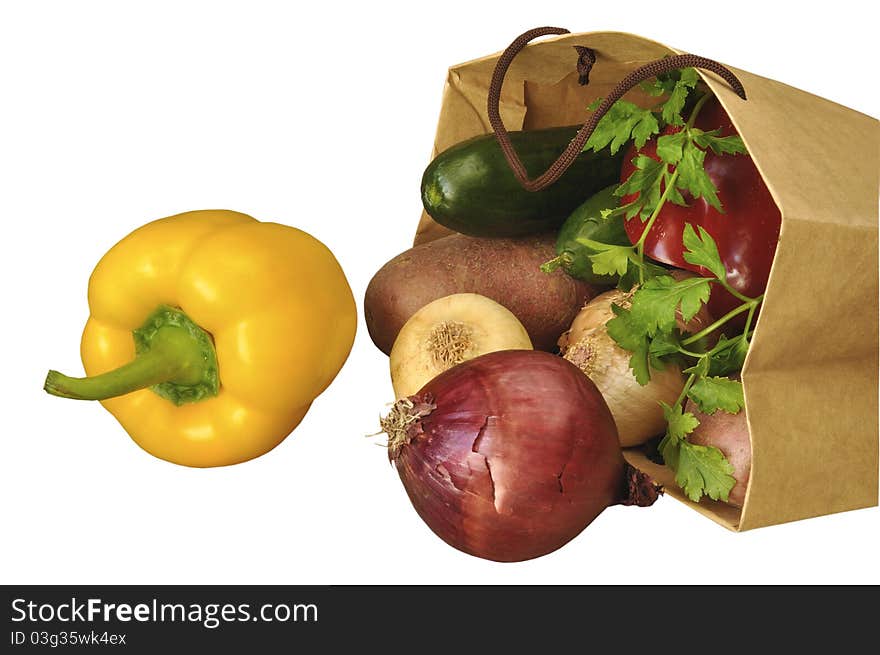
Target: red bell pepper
746,233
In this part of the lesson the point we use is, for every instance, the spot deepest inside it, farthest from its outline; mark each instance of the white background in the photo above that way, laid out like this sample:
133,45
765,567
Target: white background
320,116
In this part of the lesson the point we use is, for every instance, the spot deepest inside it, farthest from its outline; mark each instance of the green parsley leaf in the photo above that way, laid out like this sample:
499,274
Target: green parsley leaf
646,127
703,470
699,369
663,345
702,251
628,210
692,175
648,171
648,329
720,145
698,469
629,279
625,121
671,111
689,77
608,259
728,356
714,393
663,349
654,305
680,423
656,86
669,146
674,196
632,277
663,83
632,209
621,328
622,331
639,362
669,447
645,181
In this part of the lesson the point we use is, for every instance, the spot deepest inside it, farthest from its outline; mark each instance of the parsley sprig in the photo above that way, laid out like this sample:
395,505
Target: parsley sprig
680,168
649,330
648,327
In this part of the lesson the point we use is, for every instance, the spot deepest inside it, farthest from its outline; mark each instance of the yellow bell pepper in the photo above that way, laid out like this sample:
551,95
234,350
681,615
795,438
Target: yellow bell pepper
211,333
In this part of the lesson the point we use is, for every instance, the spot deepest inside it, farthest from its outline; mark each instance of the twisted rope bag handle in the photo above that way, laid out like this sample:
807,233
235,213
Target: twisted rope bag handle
586,59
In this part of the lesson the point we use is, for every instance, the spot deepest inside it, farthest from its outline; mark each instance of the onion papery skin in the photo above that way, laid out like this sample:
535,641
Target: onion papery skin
516,454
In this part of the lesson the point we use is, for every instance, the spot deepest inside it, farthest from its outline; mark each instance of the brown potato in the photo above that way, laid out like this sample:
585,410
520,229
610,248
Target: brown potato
729,433
505,270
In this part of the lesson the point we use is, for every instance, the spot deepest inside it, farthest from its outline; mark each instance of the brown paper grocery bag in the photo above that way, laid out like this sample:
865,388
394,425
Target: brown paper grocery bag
810,378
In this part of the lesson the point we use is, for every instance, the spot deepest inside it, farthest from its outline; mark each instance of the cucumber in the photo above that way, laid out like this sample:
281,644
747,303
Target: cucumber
586,222
470,188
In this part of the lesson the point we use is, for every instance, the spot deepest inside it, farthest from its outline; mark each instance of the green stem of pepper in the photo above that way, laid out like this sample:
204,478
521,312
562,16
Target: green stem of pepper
175,358
170,359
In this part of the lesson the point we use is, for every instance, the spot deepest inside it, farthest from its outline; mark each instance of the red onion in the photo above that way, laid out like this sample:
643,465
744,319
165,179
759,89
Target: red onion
510,455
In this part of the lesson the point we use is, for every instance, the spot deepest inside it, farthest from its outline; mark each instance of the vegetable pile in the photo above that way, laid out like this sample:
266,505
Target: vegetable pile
645,309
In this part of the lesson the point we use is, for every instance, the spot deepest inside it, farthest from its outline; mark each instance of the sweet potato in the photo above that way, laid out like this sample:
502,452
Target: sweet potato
505,270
